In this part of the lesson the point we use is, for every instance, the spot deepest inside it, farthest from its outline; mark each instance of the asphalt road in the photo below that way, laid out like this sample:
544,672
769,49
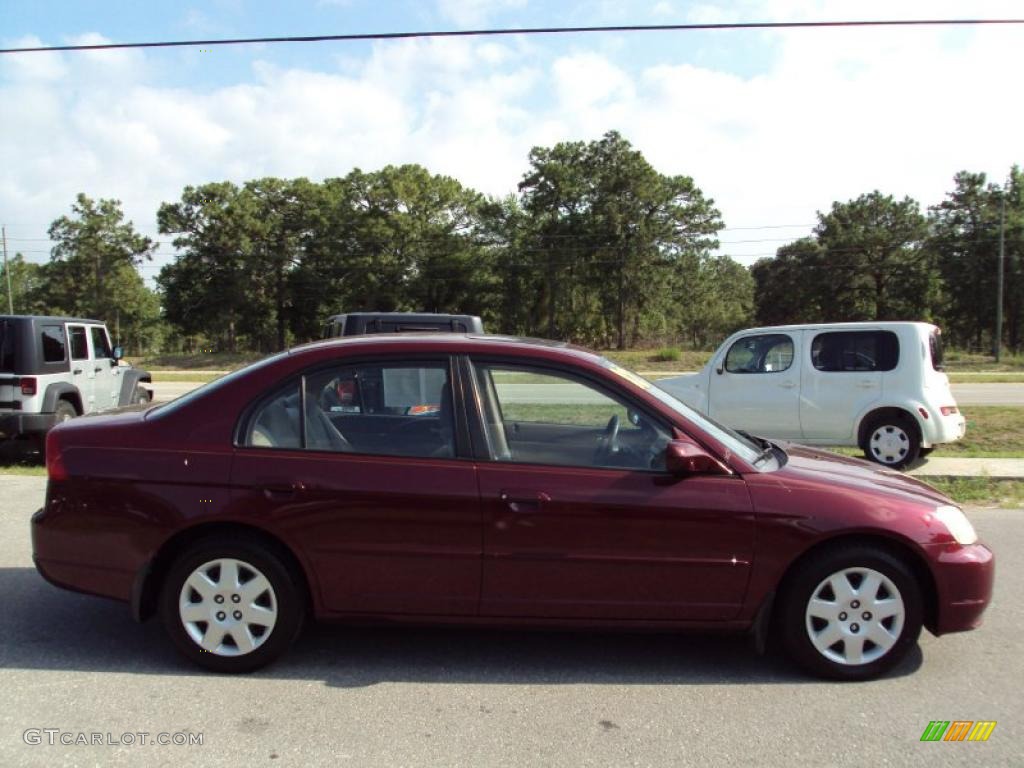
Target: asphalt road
412,697
965,394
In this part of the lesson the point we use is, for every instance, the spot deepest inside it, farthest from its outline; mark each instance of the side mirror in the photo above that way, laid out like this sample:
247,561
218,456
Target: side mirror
683,457
118,353
719,369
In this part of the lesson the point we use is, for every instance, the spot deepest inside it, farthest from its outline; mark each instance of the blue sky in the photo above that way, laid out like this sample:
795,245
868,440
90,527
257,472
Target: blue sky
773,125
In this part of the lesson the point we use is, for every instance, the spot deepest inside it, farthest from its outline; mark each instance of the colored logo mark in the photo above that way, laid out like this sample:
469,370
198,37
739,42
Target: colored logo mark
958,730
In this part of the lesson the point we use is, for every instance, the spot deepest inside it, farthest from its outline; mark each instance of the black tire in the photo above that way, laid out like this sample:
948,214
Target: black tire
286,597
892,441
141,396
64,410
796,625
925,451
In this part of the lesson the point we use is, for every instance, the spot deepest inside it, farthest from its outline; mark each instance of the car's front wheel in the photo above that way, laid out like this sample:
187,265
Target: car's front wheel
231,605
851,613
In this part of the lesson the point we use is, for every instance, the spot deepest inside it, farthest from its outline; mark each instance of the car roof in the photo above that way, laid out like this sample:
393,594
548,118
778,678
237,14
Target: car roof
475,342
51,319
853,326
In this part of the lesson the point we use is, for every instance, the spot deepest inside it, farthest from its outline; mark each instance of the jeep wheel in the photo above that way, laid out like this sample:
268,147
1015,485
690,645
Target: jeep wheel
141,396
64,411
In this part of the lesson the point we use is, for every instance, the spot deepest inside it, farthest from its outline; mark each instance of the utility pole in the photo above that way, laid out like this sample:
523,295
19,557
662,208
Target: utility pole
999,279
7,271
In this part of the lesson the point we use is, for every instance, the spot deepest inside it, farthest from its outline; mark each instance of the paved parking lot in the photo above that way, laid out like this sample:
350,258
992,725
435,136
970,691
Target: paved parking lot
394,697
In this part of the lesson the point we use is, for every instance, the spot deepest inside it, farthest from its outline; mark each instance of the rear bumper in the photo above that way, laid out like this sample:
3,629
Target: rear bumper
14,424
963,578
941,429
50,555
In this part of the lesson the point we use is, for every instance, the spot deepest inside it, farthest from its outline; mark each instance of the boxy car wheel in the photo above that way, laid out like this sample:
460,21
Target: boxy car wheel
231,605
851,613
892,441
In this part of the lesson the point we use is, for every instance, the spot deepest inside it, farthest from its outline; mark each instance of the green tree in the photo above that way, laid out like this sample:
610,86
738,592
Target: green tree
93,272
875,264
965,241
789,287
26,282
612,237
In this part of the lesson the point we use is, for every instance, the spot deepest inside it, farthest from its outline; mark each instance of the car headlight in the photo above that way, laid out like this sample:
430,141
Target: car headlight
956,523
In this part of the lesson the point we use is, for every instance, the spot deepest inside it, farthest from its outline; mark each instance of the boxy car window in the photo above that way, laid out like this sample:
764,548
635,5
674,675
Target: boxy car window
855,351
53,343
768,353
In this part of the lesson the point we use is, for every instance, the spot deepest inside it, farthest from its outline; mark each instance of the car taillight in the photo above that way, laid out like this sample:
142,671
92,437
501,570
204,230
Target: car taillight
28,385
948,410
55,468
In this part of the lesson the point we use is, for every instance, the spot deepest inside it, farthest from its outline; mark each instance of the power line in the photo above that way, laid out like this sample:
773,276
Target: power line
522,31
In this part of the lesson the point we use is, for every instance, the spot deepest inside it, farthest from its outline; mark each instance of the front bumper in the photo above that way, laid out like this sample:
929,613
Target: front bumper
963,580
14,424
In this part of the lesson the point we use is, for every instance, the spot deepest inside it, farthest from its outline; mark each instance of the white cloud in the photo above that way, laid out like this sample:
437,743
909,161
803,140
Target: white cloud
473,13
837,113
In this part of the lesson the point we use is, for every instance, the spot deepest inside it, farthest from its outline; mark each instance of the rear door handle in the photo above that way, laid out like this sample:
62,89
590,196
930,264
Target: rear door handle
524,502
282,490
77,371
788,384
97,369
866,384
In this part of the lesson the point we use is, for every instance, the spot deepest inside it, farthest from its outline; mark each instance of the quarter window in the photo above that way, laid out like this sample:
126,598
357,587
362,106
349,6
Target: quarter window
540,417
53,343
849,351
766,353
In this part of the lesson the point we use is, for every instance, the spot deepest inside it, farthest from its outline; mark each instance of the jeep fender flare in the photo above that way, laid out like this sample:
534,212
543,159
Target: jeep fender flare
58,390
130,379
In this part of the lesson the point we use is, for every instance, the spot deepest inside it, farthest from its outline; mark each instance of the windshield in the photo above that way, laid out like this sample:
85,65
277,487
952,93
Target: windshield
742,446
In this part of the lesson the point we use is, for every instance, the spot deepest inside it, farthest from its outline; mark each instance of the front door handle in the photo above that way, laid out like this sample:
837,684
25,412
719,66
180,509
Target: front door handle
788,384
77,371
282,490
866,384
524,502
97,369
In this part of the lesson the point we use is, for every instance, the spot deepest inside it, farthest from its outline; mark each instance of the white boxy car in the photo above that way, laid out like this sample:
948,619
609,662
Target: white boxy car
879,386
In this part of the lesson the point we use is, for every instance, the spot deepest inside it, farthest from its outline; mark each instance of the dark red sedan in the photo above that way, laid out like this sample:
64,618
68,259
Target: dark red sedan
485,480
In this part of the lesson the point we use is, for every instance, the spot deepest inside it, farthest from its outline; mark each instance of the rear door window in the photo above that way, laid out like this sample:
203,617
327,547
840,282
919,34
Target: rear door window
79,342
855,351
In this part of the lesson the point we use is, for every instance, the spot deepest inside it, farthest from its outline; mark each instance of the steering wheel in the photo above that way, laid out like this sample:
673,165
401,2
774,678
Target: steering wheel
608,445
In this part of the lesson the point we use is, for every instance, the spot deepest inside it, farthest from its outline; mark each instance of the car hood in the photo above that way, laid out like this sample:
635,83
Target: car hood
811,463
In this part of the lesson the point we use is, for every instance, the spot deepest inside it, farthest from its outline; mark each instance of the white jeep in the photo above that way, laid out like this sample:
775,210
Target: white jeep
879,386
55,368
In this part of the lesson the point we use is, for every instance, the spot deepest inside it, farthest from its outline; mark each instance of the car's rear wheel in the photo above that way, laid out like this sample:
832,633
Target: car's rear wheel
64,411
851,613
892,441
231,605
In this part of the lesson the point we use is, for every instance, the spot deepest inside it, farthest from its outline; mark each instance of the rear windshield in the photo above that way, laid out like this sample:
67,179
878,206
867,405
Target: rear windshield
935,344
6,346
